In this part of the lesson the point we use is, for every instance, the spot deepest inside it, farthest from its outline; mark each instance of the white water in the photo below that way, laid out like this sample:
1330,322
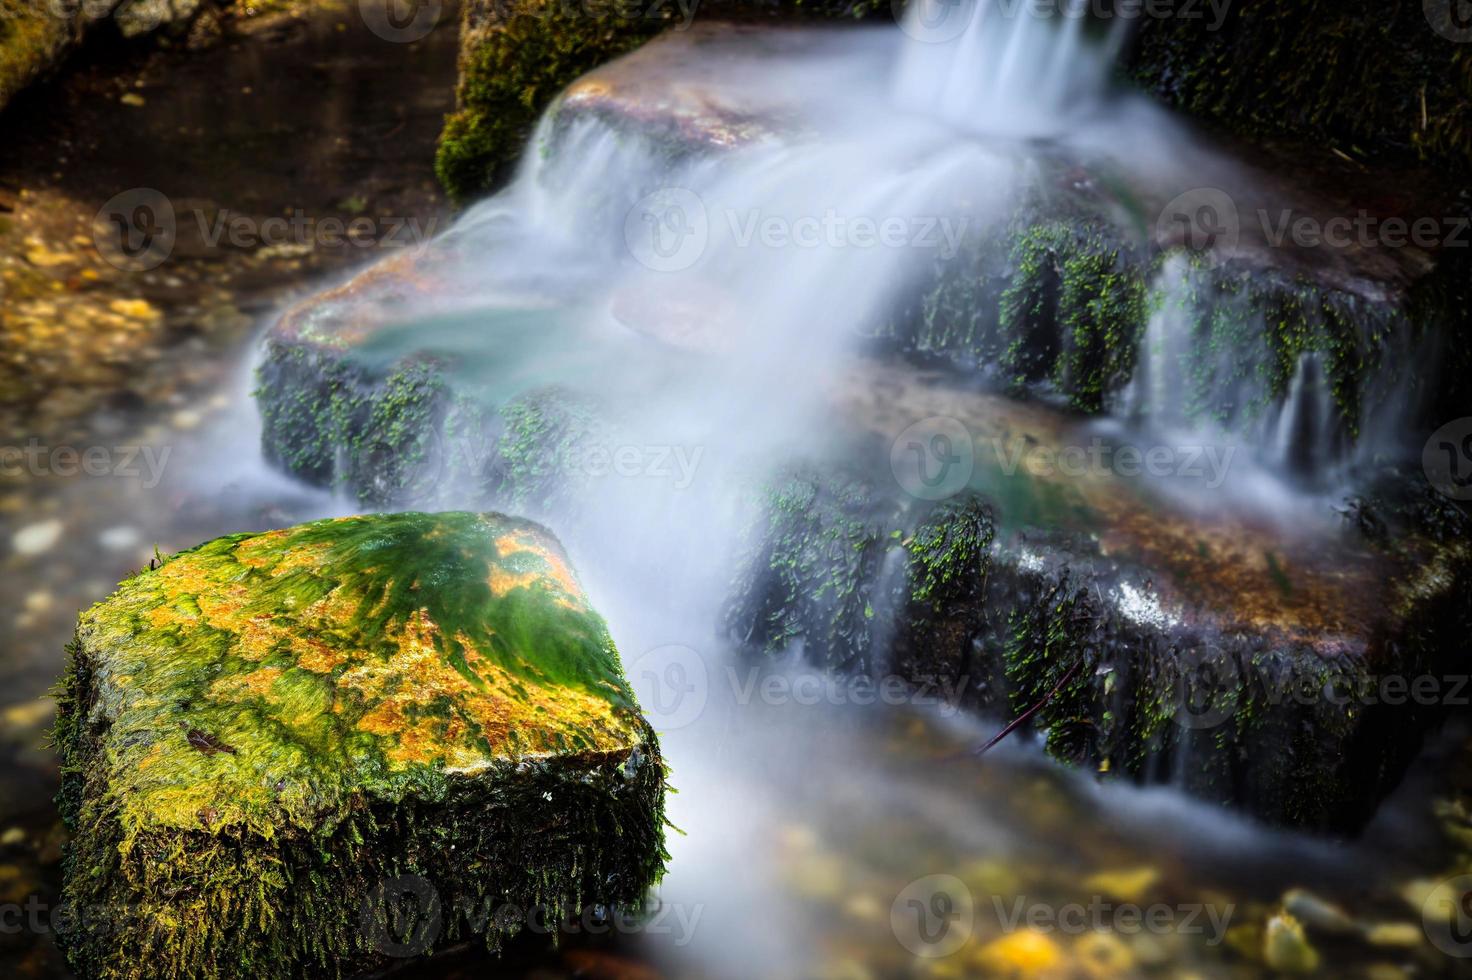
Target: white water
609,269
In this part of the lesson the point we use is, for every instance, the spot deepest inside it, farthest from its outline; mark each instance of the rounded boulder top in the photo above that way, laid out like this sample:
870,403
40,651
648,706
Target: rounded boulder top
273,676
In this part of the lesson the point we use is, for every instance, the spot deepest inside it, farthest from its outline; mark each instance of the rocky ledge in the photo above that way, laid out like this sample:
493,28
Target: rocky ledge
268,736
1285,666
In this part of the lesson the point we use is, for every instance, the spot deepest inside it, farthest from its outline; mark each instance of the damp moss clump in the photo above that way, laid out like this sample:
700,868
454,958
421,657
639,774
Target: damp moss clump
265,735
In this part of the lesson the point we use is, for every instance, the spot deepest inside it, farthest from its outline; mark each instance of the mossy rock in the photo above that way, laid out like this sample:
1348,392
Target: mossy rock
260,732
1379,83
517,55
33,38
1160,656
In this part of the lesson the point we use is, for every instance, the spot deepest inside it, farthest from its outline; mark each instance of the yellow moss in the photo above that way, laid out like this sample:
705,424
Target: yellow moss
314,661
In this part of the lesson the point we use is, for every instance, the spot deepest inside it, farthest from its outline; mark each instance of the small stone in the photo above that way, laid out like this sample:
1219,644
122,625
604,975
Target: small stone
133,99
38,538
38,602
44,258
1404,935
120,538
20,721
864,907
1020,955
1317,914
134,309
1127,886
1420,893
186,420
818,876
1103,955
12,837
1285,948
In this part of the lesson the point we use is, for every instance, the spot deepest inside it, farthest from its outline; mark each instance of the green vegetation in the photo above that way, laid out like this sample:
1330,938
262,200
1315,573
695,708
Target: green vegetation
258,732
1371,80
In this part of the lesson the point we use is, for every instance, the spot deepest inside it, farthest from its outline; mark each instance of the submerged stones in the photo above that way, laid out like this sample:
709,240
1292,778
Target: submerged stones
267,737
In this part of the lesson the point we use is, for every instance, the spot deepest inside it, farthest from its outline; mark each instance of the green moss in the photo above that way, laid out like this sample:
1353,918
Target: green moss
32,38
810,577
260,730
1374,80
510,70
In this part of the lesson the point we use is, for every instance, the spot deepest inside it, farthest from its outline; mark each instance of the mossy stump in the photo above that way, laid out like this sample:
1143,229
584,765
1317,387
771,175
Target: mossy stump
266,737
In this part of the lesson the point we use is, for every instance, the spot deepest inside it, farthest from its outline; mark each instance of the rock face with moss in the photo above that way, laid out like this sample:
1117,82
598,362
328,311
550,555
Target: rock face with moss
259,733
517,55
1378,82
1255,667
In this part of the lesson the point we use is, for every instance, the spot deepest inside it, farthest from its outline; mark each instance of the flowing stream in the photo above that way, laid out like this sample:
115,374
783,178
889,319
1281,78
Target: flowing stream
715,302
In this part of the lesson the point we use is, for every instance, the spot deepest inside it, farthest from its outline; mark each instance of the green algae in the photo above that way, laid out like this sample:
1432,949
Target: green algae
258,731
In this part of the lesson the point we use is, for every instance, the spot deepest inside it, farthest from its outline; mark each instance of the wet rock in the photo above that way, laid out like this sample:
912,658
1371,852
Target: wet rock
264,733
1318,914
1285,948
1103,955
34,39
38,538
1022,955
1213,678
1127,886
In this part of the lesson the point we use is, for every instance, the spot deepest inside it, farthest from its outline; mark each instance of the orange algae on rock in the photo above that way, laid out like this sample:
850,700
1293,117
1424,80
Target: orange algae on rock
243,715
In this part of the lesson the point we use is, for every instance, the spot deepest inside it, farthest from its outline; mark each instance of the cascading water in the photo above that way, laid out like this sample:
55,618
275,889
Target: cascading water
707,283
1002,67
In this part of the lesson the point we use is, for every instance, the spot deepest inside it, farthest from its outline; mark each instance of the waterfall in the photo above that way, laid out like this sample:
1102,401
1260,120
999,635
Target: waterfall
1004,67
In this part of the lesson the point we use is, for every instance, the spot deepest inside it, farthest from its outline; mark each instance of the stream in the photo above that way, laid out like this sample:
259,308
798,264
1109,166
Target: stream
828,827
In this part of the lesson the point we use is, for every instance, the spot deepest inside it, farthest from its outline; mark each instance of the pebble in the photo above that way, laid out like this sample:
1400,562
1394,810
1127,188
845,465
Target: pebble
133,99
38,538
1021,955
38,602
120,538
1127,886
23,718
44,258
12,837
1286,949
186,419
1399,934
136,309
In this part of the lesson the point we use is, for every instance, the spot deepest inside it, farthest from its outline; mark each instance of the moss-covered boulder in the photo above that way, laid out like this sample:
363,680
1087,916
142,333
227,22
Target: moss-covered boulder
1254,666
259,733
